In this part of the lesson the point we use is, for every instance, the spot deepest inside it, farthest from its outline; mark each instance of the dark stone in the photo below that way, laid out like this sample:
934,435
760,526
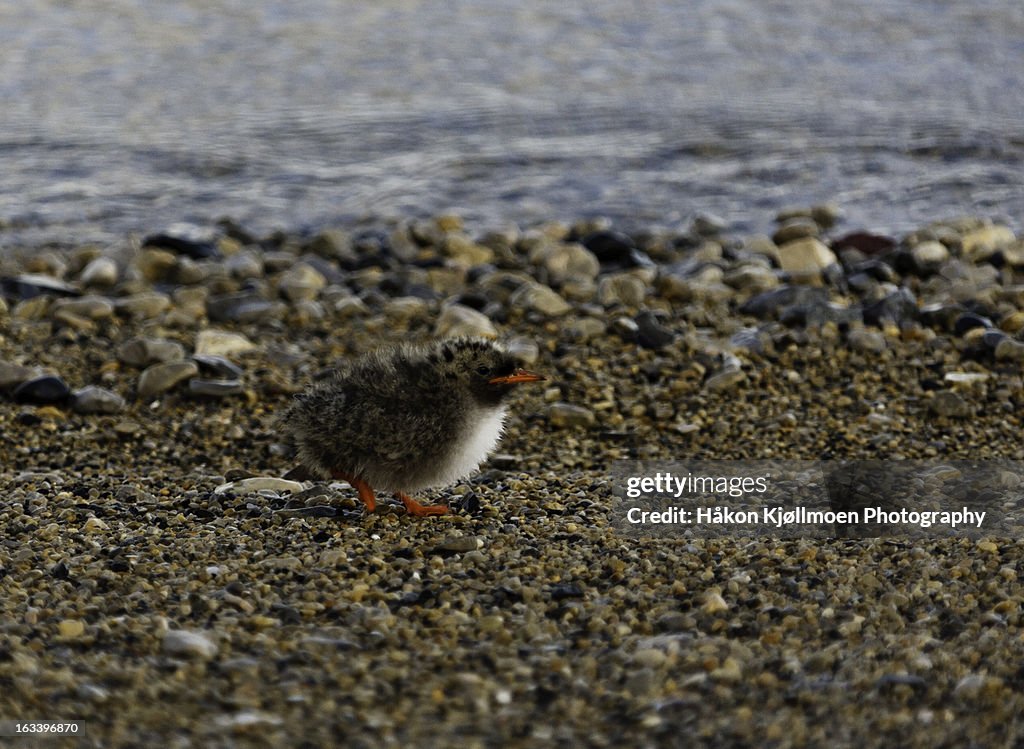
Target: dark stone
370,248
835,277
817,312
865,242
900,306
325,267
771,303
861,283
96,400
190,244
651,333
474,300
60,571
970,321
910,680
30,285
218,366
562,591
236,231
876,269
42,390
993,337
245,306
468,503
941,315
28,419
611,247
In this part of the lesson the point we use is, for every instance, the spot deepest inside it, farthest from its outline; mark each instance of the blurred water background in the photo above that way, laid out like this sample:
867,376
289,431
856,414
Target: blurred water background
119,117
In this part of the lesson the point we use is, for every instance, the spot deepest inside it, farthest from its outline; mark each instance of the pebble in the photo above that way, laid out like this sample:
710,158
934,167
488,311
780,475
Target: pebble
950,404
650,333
141,352
260,483
243,307
155,264
929,256
568,415
144,305
99,272
714,603
459,544
649,658
214,388
245,265
966,379
754,278
184,239
31,285
12,375
459,320
90,306
218,366
805,257
159,378
982,243
96,400
1009,349
42,390
302,282
626,328
725,380
540,298
897,308
463,250
335,244
621,288
71,629
190,644
95,525
867,341
586,328
568,262
611,247
34,308
970,321
222,343
867,243
523,349
795,228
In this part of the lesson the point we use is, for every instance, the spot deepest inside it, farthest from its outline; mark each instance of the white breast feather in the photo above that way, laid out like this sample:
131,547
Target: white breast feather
474,446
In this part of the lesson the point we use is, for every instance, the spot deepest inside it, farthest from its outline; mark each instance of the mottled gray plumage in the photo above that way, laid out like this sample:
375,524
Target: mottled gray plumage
405,418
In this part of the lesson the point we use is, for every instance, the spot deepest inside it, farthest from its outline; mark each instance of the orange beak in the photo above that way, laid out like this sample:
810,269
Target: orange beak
520,375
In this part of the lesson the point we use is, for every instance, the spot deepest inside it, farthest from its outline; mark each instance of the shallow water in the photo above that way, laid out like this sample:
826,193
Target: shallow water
124,117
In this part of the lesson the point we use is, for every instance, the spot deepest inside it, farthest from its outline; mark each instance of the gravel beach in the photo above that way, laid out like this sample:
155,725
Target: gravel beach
161,581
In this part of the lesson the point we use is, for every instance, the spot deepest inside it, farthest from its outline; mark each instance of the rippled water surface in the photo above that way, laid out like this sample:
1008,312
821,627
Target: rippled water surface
122,117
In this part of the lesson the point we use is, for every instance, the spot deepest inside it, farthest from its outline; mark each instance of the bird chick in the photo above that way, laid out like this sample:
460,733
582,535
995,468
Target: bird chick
406,418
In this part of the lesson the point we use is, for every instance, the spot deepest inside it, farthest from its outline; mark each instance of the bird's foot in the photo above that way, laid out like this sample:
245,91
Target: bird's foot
415,508
365,492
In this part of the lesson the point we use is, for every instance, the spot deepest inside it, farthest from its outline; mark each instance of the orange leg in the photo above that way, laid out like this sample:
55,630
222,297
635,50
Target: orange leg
365,492
415,508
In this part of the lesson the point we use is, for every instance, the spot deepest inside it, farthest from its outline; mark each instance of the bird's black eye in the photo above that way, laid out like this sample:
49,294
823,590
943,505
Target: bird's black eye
483,370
